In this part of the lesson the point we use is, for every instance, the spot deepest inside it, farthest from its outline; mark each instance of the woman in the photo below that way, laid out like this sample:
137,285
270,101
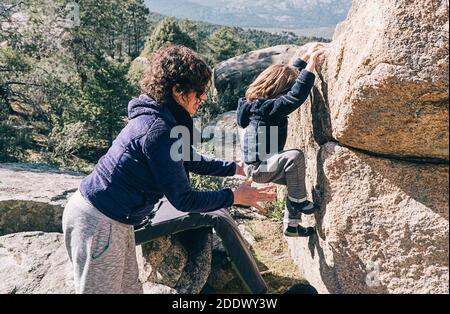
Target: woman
141,182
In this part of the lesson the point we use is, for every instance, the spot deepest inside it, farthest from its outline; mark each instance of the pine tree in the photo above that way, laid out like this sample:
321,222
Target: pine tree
104,99
167,31
193,30
136,27
226,43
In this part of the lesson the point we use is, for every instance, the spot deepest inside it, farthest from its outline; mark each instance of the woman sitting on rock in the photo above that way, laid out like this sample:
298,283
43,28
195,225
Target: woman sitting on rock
277,92
142,181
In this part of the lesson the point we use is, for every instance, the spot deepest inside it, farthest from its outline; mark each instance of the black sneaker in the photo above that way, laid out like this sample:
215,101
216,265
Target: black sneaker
299,232
306,207
301,288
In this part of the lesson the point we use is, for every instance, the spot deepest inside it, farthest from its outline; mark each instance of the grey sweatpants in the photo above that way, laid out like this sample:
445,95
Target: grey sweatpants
285,168
169,220
102,250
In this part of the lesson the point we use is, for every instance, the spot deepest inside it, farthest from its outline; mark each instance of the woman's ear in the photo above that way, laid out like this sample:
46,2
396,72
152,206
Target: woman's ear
176,93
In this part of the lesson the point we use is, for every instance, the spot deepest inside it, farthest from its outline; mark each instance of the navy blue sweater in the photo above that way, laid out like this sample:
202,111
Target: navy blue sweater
138,170
259,116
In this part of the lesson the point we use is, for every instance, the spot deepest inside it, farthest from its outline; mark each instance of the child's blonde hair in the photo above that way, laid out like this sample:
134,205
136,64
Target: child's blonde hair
271,83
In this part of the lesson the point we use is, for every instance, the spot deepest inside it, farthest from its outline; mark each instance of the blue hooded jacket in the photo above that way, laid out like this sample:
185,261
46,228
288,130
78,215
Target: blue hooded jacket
261,116
138,170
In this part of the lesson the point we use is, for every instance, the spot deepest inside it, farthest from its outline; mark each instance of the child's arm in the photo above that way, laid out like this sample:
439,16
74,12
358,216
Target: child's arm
300,63
243,114
288,103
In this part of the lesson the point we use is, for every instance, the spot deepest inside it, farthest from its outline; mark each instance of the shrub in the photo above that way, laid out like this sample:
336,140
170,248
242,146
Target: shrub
13,142
276,210
65,141
205,183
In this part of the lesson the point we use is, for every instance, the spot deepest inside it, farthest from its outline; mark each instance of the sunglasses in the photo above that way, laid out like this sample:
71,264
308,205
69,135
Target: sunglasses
200,92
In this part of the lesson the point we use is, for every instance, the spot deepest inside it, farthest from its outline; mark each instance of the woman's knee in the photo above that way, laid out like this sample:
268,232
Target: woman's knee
222,216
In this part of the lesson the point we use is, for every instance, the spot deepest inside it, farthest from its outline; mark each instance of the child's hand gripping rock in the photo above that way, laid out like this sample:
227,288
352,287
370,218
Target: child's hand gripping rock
313,48
311,67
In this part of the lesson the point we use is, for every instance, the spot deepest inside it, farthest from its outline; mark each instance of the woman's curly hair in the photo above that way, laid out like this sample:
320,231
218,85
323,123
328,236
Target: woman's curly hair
171,66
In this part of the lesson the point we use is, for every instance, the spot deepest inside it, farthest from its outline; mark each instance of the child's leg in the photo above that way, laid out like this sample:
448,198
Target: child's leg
286,168
296,202
295,172
293,163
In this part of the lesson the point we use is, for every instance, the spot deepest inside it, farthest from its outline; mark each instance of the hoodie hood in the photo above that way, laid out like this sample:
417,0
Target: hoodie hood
245,110
144,105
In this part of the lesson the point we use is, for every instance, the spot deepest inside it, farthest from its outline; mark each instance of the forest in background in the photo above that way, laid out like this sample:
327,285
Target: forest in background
67,72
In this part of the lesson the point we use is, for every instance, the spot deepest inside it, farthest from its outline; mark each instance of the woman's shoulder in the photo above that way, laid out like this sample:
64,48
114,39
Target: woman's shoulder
157,136
160,127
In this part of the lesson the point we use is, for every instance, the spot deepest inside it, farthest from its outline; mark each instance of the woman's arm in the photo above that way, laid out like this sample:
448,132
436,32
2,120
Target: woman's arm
174,184
172,178
202,165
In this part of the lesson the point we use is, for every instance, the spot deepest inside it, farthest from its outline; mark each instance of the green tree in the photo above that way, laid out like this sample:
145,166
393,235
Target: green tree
136,27
61,54
226,43
104,99
167,31
79,69
194,31
13,67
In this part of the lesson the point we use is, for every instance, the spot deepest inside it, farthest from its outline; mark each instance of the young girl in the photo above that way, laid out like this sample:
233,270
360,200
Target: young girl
277,92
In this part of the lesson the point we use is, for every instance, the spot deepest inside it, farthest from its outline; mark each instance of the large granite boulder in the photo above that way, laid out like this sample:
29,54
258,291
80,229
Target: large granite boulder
375,135
234,75
37,263
383,226
384,222
32,197
243,68
387,76
34,262
181,261
384,80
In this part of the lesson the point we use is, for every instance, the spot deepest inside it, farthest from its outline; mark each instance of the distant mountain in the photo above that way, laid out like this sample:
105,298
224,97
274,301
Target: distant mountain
268,14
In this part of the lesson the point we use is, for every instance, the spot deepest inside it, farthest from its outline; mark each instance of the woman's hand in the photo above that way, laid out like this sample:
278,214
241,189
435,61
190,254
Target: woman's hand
311,67
311,50
247,195
240,169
